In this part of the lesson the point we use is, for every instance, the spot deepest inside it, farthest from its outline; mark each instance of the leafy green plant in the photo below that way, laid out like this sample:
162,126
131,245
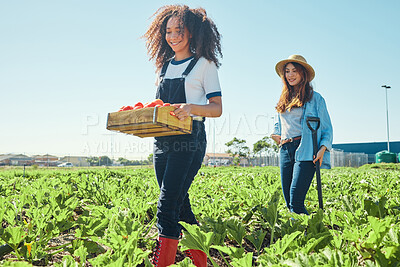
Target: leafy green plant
194,238
270,213
236,230
257,238
106,217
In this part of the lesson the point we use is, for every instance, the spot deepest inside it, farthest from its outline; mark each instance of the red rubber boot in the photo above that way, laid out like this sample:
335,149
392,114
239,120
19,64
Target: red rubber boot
198,257
165,252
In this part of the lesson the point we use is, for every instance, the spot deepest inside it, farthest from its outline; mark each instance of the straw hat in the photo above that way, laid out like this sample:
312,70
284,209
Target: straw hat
298,59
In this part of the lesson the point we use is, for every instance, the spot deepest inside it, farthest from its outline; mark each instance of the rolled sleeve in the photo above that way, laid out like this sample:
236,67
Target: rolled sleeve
213,94
277,127
211,83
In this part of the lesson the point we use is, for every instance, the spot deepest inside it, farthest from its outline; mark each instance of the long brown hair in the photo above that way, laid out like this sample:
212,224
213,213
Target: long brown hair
205,41
295,96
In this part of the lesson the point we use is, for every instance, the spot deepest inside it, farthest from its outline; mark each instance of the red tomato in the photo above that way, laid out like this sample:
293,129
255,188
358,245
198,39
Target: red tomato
158,102
149,105
166,104
127,108
138,105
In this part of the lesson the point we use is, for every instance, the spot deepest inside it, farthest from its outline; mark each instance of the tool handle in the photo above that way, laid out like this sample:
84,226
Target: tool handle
315,150
319,185
313,119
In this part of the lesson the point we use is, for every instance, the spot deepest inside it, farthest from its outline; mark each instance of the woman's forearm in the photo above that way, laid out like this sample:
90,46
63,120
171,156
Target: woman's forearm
212,109
209,110
276,138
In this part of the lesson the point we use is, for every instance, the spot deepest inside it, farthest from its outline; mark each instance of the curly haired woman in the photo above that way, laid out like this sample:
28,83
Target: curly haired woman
298,101
185,45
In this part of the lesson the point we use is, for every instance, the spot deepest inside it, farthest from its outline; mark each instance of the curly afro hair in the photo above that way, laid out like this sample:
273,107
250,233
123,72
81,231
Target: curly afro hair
205,41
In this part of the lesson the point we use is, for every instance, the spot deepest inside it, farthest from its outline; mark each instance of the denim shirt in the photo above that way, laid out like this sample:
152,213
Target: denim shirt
316,107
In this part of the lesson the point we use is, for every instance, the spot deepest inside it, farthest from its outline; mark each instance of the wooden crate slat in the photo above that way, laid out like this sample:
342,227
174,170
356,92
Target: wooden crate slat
162,116
128,117
148,122
153,129
158,134
124,128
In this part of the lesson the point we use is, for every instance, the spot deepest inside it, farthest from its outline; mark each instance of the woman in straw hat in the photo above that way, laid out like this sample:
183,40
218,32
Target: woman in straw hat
298,101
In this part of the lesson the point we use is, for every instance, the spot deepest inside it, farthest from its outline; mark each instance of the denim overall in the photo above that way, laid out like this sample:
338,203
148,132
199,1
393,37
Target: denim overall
177,160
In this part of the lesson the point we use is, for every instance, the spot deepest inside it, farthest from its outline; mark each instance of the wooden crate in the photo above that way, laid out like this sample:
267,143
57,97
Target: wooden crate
149,122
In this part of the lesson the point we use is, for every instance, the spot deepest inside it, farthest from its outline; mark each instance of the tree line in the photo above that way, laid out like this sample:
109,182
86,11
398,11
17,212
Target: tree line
106,161
238,149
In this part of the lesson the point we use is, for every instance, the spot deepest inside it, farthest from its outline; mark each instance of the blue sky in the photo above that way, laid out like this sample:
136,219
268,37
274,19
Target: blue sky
65,64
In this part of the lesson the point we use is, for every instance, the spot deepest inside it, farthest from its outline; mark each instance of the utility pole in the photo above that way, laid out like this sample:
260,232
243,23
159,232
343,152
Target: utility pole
387,117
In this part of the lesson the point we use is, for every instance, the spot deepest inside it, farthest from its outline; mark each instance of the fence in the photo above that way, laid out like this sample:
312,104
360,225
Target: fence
346,159
272,159
338,159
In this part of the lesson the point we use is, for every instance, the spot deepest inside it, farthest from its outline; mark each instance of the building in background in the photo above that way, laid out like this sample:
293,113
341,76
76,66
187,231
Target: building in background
76,161
368,148
217,159
15,160
41,160
45,160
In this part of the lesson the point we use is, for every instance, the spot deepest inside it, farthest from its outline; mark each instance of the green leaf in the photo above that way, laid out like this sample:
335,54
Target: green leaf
13,236
102,259
16,264
232,252
81,252
185,263
379,229
90,226
93,247
337,241
194,238
381,205
69,261
349,205
393,236
391,251
218,227
236,229
250,213
371,208
291,226
381,259
315,223
257,238
282,245
317,242
246,261
270,214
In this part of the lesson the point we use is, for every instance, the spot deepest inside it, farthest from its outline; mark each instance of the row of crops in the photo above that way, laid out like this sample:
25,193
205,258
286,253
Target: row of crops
106,217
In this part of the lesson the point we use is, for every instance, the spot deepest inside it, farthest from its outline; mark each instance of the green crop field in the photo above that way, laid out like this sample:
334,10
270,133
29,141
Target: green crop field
106,217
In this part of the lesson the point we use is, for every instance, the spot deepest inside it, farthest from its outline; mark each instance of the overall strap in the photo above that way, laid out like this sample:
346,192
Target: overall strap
189,67
164,69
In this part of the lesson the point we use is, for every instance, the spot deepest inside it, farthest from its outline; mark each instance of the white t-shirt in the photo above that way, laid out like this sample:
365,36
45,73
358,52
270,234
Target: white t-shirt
201,83
291,123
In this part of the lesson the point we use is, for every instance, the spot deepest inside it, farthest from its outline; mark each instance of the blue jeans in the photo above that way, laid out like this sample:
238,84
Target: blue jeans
177,160
296,177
